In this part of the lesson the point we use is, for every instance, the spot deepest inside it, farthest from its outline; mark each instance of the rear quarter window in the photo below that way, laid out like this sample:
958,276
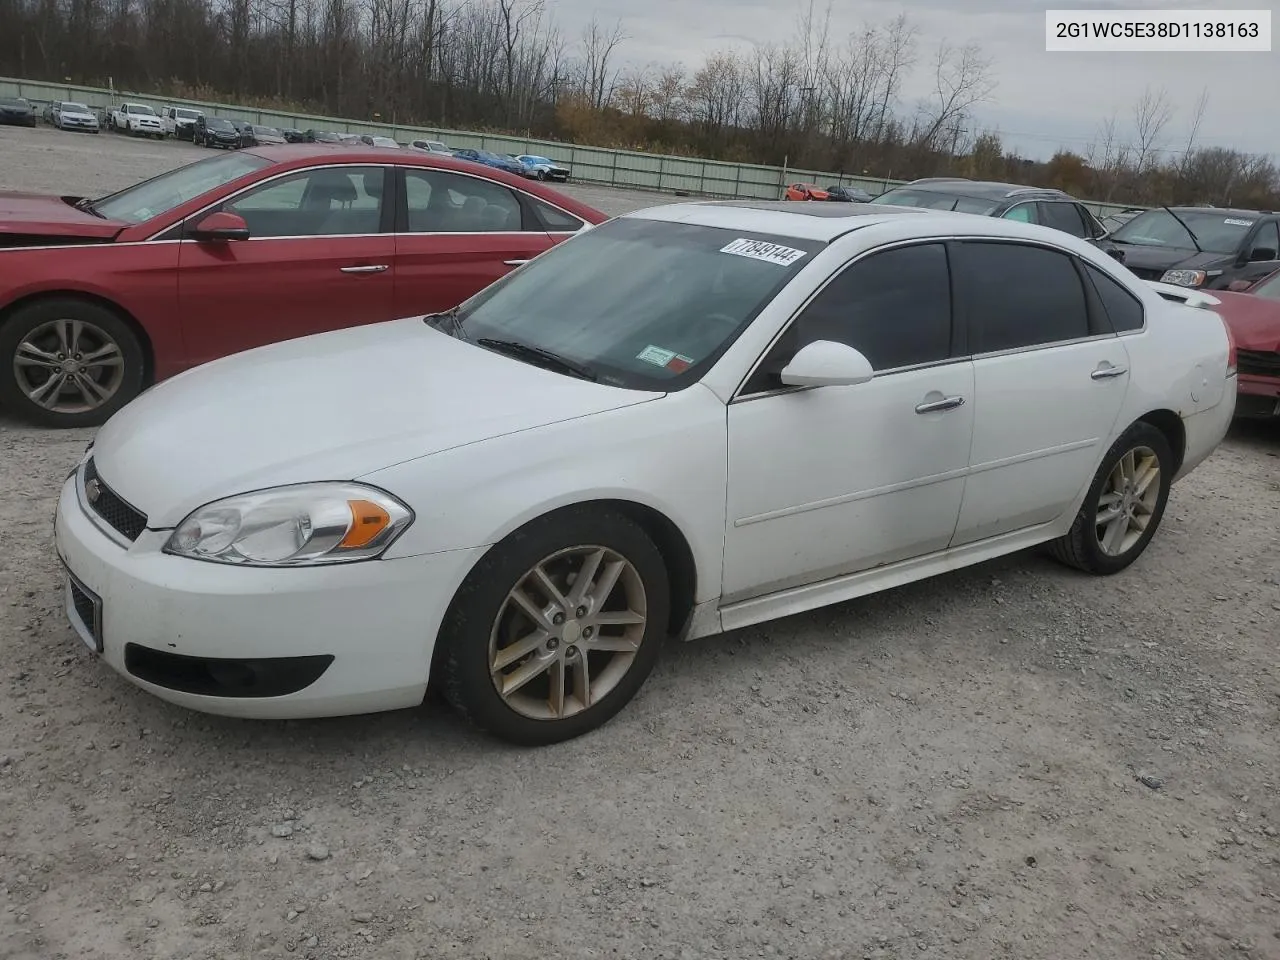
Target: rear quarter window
1123,309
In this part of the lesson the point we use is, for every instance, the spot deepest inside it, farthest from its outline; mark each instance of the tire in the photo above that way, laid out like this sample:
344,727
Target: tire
36,325
542,174
1083,546
482,614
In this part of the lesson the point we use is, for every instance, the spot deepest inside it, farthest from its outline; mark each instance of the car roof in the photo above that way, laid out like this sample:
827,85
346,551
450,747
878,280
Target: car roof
806,221
1225,211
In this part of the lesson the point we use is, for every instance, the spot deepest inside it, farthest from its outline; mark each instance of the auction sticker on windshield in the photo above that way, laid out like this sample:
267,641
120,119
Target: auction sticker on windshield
762,250
1239,223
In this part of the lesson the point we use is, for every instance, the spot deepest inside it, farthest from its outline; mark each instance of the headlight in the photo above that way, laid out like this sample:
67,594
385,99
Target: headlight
300,525
1183,278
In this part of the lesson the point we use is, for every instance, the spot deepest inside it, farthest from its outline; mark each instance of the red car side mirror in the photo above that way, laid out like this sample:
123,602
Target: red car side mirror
221,226
1239,286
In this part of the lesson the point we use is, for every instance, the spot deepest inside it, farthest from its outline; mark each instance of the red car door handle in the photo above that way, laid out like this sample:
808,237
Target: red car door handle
367,268
515,263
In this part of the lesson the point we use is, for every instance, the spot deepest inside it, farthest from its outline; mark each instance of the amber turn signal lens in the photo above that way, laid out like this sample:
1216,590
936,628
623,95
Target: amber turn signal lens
367,521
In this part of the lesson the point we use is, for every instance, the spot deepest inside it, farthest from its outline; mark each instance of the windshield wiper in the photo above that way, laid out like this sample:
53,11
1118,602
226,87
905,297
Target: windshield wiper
540,356
1199,249
85,204
452,316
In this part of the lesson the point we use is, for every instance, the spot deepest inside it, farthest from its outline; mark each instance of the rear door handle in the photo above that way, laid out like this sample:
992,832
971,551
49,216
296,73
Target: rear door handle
946,403
1108,372
515,263
367,268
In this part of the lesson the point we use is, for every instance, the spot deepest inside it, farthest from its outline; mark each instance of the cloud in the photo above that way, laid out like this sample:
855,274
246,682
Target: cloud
1042,100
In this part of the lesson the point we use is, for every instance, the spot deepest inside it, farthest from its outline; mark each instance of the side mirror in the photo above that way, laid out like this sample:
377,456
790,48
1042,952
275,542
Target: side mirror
825,363
1261,254
1115,253
221,226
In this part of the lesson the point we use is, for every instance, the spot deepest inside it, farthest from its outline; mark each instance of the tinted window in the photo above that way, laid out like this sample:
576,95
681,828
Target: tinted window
1216,232
1020,296
1123,308
1268,289
557,221
894,306
1268,238
441,202
324,202
1063,216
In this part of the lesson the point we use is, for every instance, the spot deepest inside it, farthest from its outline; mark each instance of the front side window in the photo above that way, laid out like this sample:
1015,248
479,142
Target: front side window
159,195
1018,295
438,201
642,304
1268,239
894,307
1268,289
331,201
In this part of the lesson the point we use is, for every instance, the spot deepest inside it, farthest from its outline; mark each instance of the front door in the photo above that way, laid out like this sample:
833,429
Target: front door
1050,376
317,258
829,481
457,234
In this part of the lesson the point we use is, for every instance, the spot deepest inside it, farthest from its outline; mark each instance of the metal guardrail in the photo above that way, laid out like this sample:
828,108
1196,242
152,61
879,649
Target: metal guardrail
598,165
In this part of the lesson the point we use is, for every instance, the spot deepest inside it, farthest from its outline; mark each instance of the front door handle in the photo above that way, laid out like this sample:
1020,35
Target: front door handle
515,263
367,268
1108,372
946,403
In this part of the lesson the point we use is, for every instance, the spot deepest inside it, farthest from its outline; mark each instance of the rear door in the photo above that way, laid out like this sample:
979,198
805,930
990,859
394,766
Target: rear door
320,256
1050,376
456,233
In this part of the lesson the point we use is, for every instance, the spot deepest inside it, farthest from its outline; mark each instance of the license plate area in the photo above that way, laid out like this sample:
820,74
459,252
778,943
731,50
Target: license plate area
84,610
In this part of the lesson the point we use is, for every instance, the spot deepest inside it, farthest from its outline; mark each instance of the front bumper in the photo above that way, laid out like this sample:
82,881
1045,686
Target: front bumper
1259,397
377,620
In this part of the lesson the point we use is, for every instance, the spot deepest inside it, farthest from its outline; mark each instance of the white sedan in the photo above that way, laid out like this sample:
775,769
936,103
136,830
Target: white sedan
687,420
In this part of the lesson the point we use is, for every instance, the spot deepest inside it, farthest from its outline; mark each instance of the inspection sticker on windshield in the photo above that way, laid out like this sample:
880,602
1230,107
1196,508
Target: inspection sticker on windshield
1239,223
675,362
760,250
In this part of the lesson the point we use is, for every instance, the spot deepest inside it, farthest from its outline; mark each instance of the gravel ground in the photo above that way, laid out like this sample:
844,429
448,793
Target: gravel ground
1011,761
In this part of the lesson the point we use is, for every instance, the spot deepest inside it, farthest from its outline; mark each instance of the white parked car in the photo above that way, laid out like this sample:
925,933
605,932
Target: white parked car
137,119
431,146
689,419
180,122
69,115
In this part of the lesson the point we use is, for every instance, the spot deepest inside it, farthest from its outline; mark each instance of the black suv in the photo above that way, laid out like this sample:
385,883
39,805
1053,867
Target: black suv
1009,201
1199,246
215,132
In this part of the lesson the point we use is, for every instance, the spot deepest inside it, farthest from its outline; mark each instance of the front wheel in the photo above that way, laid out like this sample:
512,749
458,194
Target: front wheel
68,363
557,627
1124,505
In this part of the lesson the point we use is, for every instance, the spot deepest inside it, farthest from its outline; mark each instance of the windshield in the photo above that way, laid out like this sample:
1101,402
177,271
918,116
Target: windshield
14,102
216,124
1268,289
535,160
1216,232
74,108
161,194
642,304
141,110
938,201
186,114
266,131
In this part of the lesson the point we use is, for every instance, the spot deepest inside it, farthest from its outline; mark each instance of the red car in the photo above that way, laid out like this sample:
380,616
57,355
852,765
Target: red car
806,191
1252,312
99,299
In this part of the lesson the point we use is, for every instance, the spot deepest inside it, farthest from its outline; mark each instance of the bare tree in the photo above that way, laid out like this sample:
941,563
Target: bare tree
599,76
962,79
1151,115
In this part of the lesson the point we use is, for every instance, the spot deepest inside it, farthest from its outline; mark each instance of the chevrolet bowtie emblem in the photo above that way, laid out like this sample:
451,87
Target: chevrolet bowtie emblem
93,490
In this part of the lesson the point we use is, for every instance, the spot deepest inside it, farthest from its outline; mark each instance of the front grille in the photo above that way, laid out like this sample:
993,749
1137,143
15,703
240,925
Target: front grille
1258,363
88,610
119,515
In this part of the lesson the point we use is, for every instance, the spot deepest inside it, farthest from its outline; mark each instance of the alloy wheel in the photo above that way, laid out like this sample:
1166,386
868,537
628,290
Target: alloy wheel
69,366
567,633
1128,501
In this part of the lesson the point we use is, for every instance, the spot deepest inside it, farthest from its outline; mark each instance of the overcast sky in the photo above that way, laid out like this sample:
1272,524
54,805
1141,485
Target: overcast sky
1041,100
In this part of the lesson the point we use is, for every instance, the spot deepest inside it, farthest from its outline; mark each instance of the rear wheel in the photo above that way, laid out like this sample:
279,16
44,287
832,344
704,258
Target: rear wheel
1124,505
68,363
557,627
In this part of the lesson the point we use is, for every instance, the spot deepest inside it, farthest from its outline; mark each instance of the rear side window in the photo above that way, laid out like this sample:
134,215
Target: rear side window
1063,216
1023,213
555,220
1123,308
1018,295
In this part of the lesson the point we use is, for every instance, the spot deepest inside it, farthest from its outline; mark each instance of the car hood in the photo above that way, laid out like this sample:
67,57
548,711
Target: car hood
335,406
1254,321
33,214
76,115
1166,258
